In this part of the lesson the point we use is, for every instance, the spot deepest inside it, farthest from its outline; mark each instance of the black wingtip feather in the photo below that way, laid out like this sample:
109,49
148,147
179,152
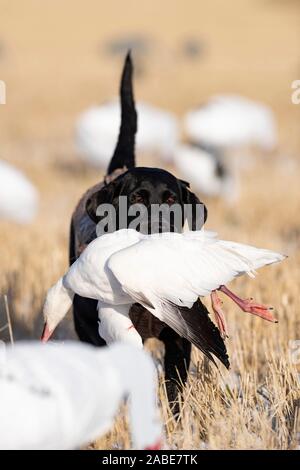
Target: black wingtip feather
124,154
203,333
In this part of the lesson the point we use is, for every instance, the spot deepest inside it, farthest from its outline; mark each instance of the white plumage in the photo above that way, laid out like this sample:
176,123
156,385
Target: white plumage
162,272
230,121
97,132
18,197
202,170
62,396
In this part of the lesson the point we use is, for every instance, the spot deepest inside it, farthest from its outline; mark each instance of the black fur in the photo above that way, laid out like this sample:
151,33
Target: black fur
124,151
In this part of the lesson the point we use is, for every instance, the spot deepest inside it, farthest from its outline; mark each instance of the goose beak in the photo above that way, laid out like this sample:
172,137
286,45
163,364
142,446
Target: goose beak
156,446
46,333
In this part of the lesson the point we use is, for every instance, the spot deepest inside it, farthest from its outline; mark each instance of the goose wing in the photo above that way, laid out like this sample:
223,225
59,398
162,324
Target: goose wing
181,267
167,274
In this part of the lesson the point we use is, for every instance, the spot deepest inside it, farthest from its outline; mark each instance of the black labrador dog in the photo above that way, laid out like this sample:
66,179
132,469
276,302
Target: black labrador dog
146,186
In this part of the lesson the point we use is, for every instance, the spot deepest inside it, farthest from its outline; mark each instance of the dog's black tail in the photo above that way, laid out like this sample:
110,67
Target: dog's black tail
72,252
124,152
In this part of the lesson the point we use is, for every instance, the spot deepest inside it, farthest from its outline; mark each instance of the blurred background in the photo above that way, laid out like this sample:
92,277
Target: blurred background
59,58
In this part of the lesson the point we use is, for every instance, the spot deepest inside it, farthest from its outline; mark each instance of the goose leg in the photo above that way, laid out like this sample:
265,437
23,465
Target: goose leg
248,305
216,304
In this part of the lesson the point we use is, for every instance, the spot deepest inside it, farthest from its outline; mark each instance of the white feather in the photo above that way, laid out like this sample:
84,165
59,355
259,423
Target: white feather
199,168
232,121
184,266
62,396
18,197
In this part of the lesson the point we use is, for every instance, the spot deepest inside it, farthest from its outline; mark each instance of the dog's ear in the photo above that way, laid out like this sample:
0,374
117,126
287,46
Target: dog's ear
199,211
106,195
184,184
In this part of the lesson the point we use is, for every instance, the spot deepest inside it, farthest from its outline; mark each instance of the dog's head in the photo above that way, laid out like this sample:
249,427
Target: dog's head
148,199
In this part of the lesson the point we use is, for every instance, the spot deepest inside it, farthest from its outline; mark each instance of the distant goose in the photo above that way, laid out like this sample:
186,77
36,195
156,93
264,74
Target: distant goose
98,127
205,171
63,396
18,197
179,269
230,121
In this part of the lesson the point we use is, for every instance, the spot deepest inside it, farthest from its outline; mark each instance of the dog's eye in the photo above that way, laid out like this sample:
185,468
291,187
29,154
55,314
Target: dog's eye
137,199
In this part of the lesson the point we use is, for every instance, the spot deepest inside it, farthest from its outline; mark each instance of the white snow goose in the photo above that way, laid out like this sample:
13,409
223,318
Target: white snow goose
63,396
231,121
18,197
205,171
166,273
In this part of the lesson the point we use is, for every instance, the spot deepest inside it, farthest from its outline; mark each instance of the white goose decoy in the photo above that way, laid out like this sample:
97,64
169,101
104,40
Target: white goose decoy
230,121
63,396
166,273
18,197
98,127
205,172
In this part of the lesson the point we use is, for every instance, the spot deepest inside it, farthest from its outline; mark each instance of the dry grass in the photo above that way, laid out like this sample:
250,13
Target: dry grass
52,70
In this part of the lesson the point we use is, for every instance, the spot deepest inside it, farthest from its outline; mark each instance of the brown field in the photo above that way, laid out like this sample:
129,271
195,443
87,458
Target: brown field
53,62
